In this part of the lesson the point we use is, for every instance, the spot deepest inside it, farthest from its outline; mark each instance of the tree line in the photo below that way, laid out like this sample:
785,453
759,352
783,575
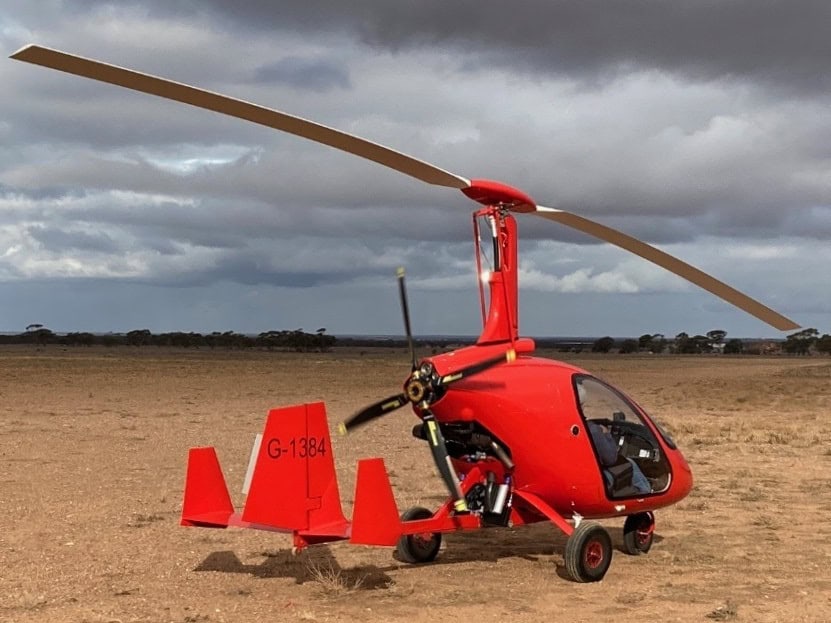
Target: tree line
296,340
802,342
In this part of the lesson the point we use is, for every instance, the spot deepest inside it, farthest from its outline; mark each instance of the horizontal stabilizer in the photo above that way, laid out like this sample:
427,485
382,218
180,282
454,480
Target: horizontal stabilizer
207,502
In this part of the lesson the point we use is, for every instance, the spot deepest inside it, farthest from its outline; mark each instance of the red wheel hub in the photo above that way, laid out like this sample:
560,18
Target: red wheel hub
593,554
643,534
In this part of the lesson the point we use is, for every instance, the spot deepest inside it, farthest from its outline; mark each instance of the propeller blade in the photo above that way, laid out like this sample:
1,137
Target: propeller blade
449,379
200,98
670,263
405,309
438,448
373,411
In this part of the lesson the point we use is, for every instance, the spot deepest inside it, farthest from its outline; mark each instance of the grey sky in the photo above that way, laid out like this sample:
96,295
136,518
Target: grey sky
700,127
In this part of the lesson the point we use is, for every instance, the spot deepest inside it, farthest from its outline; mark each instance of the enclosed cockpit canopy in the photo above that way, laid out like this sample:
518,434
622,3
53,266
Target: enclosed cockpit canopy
629,455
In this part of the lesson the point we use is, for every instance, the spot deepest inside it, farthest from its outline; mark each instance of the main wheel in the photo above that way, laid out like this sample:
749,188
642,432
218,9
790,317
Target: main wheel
588,552
415,548
638,531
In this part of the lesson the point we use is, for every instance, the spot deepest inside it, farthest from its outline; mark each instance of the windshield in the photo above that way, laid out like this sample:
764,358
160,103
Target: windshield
628,453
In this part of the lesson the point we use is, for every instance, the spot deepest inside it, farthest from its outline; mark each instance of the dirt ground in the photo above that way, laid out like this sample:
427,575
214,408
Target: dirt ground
93,446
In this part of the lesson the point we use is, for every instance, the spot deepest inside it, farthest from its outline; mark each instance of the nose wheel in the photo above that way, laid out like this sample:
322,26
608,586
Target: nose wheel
588,552
638,532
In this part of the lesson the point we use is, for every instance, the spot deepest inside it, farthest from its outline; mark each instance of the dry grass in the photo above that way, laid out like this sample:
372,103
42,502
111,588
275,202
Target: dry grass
92,463
726,612
333,581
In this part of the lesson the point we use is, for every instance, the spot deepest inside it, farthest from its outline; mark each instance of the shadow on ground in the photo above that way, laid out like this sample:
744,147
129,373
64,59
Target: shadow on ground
532,543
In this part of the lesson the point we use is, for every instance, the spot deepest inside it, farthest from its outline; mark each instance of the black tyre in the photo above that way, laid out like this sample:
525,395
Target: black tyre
588,552
638,531
416,548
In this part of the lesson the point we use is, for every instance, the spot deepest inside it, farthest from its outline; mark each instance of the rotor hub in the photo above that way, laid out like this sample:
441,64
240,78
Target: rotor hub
490,193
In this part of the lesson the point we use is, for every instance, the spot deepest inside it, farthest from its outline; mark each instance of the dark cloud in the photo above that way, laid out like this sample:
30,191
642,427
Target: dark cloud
318,75
245,270
701,126
777,42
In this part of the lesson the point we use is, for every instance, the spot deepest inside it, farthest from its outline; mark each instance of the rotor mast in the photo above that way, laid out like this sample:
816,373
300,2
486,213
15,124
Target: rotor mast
501,323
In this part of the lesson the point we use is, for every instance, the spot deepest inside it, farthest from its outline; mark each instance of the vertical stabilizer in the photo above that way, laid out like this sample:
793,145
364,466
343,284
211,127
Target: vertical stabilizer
207,502
375,518
294,485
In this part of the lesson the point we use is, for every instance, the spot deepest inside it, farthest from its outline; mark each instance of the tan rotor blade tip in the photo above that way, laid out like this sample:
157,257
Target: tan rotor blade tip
670,263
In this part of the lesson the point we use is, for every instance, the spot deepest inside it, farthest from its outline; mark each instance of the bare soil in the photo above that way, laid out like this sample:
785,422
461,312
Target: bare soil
93,444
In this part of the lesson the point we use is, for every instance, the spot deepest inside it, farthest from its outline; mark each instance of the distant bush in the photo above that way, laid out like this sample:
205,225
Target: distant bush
603,345
296,340
628,346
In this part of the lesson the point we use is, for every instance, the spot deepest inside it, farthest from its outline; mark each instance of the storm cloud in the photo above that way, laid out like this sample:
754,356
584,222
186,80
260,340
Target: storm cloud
779,42
701,127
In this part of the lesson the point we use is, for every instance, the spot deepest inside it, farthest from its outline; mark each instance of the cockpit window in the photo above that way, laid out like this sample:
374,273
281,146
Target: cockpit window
665,434
598,402
628,453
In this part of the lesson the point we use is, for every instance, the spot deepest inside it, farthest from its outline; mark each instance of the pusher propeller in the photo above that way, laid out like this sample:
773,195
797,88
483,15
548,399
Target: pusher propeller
422,388
424,385
391,158
405,309
376,410
476,368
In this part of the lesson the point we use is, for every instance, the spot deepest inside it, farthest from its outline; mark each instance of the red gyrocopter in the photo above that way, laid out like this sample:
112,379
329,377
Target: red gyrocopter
517,439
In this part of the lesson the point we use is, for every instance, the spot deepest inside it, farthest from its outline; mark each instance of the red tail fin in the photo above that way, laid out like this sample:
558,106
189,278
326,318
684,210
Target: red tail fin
207,502
375,518
294,486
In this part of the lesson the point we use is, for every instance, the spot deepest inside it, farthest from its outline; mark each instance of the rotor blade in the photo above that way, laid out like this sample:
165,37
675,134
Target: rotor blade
476,368
373,411
179,92
672,264
405,309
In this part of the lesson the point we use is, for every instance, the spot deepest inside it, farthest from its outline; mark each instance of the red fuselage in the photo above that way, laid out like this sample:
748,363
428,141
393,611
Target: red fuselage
530,406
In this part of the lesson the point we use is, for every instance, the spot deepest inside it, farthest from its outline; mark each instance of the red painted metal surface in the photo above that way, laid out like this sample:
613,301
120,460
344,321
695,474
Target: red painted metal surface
502,322
531,407
294,486
325,512
375,518
206,502
491,193
538,504
527,405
